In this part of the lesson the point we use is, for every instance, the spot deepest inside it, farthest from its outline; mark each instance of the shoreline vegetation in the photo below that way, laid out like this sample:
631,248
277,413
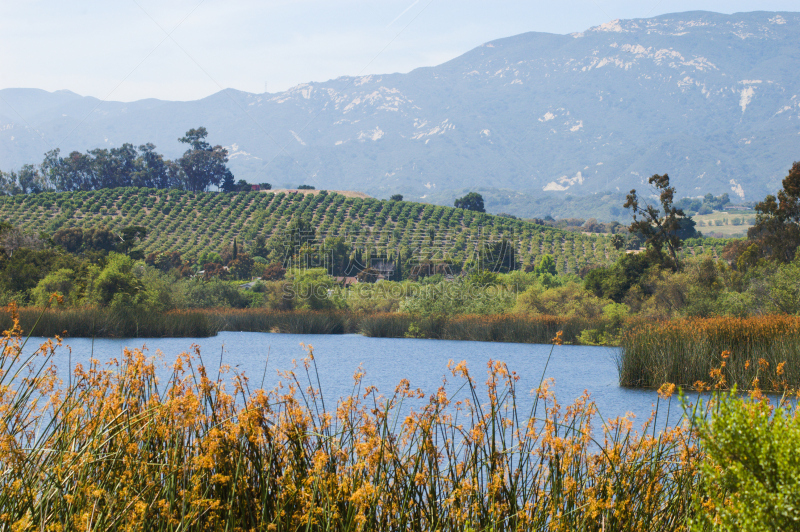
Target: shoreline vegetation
472,277
115,449
757,352
198,323
125,451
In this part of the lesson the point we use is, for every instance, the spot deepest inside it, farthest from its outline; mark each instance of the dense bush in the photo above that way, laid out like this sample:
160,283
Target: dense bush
750,474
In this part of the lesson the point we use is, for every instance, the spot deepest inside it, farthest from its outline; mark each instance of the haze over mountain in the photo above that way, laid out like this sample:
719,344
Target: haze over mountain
711,99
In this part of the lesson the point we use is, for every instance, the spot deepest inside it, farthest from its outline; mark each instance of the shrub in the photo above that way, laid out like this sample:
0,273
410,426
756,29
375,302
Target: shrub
750,475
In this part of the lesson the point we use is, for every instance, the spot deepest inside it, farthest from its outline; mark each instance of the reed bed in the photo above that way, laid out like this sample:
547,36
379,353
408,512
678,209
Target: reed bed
384,324
199,323
517,328
758,352
117,450
96,322
293,322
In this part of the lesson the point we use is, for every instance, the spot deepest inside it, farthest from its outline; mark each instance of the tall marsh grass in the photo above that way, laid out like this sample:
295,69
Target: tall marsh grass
195,323
198,323
96,322
294,322
759,352
518,328
117,450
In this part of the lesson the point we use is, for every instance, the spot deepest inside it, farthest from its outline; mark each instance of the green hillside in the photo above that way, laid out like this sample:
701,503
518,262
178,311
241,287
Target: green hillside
194,223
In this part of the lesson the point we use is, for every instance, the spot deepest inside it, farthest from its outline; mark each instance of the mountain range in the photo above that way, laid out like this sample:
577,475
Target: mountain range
536,122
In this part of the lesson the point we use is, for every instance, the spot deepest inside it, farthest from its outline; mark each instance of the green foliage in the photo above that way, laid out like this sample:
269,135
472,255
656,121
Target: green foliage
204,222
567,300
615,281
661,227
22,271
750,474
471,202
784,290
777,227
445,298
116,280
312,289
61,282
546,265
197,293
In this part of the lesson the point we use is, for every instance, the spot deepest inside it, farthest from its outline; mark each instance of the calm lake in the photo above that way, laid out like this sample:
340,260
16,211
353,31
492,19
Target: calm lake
387,361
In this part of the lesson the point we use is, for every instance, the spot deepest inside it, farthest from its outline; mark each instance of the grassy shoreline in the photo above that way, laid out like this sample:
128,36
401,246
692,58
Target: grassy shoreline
746,352
116,449
94,322
123,451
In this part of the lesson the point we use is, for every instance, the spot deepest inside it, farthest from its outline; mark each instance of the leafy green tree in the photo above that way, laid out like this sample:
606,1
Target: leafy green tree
259,248
203,165
30,181
777,227
228,184
196,138
129,237
613,282
547,264
212,294
241,267
99,239
568,300
8,184
483,278
62,282
243,186
22,270
313,289
300,235
153,171
471,202
337,255
115,280
396,197
114,167
71,239
784,290
661,227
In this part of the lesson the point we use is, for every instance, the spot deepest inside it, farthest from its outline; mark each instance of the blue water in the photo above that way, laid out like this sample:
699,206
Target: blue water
387,361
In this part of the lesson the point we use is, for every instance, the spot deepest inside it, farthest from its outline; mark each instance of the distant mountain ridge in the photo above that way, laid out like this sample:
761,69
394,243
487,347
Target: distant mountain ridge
711,99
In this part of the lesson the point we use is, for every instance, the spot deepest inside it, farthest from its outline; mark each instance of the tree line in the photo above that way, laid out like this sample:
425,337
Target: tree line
200,167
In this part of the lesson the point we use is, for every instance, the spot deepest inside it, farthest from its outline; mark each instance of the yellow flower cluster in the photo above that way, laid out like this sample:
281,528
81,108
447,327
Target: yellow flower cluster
119,450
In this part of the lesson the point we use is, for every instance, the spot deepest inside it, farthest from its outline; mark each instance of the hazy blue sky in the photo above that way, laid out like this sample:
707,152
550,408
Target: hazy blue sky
187,49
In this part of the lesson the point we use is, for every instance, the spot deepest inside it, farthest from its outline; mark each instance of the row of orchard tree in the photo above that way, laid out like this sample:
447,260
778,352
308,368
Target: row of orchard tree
201,166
